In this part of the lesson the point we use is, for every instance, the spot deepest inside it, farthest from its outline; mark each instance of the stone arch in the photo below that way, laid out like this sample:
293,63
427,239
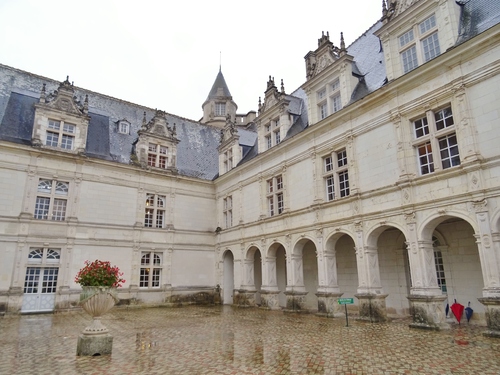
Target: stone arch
456,262
276,273
386,245
304,271
376,230
342,265
300,243
427,227
495,221
332,238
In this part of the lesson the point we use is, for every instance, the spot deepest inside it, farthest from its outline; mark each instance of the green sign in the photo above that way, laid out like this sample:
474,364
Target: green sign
346,301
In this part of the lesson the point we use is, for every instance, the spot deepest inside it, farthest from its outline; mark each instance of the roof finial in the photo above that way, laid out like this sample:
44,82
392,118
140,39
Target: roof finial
86,104
42,94
220,61
342,43
282,87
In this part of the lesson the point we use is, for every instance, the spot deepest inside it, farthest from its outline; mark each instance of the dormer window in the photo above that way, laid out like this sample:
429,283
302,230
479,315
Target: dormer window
157,156
220,109
420,43
123,127
60,134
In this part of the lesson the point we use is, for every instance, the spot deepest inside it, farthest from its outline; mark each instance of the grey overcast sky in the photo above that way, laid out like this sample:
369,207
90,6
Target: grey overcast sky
165,54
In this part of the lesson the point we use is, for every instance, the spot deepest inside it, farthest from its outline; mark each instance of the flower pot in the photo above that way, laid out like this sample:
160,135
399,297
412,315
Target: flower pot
96,301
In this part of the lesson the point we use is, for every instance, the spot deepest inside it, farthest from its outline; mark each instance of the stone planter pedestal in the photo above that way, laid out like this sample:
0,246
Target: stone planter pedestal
296,302
95,339
328,305
244,298
428,312
269,299
492,305
372,307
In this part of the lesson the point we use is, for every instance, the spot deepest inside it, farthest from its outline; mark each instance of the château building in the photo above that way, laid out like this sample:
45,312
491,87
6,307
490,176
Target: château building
377,179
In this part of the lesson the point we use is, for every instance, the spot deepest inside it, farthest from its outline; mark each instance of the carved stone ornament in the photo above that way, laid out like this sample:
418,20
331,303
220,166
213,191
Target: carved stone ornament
159,126
63,100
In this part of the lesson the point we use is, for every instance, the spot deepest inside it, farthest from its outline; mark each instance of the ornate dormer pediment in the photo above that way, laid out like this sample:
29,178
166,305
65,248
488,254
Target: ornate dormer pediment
63,100
158,126
61,121
272,95
393,8
325,55
156,146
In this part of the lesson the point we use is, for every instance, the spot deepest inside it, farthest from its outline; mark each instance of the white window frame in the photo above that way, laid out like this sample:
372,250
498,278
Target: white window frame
62,134
419,44
336,175
51,199
157,155
435,135
275,195
220,109
150,271
155,211
123,127
228,211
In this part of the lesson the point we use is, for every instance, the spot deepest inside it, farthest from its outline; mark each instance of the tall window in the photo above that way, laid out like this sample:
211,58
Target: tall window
157,156
336,175
150,274
154,216
420,43
51,200
228,160
438,262
228,211
220,109
329,99
272,133
436,131
275,202
60,134
40,277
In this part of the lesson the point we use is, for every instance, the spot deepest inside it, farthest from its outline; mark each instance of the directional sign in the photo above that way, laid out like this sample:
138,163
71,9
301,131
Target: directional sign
346,301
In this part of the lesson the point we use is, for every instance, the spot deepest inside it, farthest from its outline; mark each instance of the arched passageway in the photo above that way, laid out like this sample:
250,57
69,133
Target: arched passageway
228,277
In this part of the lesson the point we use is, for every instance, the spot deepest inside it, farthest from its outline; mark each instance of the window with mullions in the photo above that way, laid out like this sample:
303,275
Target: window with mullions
220,109
275,202
150,273
438,262
228,211
157,156
51,200
336,175
60,134
420,43
154,216
436,131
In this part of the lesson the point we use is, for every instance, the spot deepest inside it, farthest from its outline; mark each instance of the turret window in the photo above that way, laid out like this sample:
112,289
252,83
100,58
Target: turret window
220,109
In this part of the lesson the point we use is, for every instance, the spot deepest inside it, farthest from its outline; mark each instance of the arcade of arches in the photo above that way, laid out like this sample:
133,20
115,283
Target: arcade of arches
390,269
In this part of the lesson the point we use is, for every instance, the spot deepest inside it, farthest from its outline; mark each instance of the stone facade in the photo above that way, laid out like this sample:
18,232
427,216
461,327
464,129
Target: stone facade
377,179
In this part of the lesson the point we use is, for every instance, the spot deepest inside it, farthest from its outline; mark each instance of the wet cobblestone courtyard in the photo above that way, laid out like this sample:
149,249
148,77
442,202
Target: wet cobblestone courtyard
227,340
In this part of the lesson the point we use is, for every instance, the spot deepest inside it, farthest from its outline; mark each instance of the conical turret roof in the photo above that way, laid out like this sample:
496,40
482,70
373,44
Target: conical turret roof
219,88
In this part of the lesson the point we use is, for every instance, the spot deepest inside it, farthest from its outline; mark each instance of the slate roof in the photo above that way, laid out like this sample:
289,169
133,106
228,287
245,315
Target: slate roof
220,82
477,16
197,154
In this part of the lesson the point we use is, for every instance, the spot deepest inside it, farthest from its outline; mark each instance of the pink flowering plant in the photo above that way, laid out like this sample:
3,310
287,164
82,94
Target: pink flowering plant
99,273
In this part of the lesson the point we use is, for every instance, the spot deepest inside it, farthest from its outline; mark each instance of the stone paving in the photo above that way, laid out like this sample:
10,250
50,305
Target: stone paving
227,340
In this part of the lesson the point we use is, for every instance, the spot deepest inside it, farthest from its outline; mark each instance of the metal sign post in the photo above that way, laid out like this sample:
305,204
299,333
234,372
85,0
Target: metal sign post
345,302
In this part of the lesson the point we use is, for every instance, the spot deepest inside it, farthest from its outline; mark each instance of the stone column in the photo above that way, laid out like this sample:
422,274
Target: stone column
328,289
295,290
269,289
245,296
489,255
371,298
